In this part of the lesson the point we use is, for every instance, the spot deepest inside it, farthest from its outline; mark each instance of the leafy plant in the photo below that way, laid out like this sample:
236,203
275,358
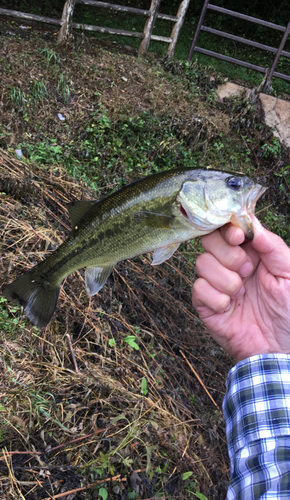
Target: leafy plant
144,389
103,493
44,152
130,340
191,486
132,495
273,149
186,475
8,321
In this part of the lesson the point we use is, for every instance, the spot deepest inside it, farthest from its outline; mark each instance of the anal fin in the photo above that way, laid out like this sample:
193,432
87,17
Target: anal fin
96,277
164,253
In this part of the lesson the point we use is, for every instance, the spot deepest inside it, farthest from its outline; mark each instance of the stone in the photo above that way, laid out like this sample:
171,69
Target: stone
283,129
268,102
230,89
282,110
277,111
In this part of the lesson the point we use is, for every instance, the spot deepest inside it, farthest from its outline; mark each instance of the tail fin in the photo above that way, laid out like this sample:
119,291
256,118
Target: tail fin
37,296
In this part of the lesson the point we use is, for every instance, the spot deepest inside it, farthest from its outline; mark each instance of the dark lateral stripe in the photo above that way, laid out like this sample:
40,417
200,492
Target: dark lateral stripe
84,245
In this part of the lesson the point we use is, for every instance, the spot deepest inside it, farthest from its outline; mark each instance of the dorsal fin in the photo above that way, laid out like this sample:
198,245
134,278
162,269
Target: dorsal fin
77,210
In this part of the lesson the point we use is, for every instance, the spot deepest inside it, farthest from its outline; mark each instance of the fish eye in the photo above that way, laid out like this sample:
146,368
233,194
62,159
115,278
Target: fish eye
234,182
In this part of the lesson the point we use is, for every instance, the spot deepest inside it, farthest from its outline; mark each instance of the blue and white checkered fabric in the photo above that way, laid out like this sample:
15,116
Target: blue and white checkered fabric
257,413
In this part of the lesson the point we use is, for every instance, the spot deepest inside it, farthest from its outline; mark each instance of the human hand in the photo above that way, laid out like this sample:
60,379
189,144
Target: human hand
243,292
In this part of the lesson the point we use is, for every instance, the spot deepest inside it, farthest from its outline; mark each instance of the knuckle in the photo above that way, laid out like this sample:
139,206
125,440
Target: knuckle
233,286
235,259
222,303
201,262
197,287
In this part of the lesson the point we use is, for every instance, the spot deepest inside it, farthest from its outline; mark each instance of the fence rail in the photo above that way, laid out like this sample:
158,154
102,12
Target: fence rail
270,72
152,14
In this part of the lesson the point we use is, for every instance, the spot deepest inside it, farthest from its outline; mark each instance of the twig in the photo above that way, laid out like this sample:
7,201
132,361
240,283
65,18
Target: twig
109,479
12,478
11,453
200,381
63,445
72,353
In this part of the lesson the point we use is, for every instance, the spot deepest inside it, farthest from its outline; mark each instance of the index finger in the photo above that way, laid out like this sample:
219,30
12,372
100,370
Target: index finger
232,234
230,256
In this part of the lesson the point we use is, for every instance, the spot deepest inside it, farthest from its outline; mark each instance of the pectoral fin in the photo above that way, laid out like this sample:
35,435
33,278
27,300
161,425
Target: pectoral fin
164,253
154,220
96,277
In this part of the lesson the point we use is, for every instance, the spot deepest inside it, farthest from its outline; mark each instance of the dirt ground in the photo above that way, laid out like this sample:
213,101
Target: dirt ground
84,413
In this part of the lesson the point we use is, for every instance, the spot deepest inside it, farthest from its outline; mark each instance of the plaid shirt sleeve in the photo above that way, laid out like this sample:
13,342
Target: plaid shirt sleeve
257,413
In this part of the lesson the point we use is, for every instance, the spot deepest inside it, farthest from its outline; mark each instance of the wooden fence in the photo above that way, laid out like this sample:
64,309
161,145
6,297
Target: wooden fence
152,14
270,72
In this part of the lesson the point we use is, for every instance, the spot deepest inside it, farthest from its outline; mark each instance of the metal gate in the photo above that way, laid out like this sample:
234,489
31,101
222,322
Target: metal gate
269,72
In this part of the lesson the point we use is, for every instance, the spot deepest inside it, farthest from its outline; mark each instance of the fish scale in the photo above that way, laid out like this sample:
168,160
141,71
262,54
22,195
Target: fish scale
155,214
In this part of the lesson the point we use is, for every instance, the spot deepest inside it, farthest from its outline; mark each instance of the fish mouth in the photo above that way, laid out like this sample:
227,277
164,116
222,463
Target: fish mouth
242,218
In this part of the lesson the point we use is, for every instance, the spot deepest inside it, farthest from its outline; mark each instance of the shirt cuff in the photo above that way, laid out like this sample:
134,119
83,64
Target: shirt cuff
257,401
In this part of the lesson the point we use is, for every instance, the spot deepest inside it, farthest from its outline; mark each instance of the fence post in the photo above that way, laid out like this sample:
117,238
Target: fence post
177,27
278,54
66,18
149,25
196,34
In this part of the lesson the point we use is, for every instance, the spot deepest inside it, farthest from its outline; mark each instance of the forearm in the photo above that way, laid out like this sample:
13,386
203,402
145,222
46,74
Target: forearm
257,414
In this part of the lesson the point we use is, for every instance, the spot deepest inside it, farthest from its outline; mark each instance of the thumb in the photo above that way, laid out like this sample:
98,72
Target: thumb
273,251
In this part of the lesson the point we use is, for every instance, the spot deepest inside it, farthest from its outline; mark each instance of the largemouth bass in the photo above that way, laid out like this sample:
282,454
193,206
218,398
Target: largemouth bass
155,214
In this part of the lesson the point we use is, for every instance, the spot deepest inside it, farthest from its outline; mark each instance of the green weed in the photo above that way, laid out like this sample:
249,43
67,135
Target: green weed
22,100
277,223
50,56
103,493
9,318
64,86
272,149
18,97
39,91
130,340
144,389
44,152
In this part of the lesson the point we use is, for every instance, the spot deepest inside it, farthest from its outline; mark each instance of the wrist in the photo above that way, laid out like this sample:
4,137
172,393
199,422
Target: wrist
252,354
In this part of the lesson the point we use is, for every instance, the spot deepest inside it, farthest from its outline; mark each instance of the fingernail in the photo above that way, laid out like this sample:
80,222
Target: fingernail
240,293
246,269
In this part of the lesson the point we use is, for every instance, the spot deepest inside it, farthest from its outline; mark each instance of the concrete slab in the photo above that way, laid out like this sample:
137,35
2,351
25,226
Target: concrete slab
277,111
